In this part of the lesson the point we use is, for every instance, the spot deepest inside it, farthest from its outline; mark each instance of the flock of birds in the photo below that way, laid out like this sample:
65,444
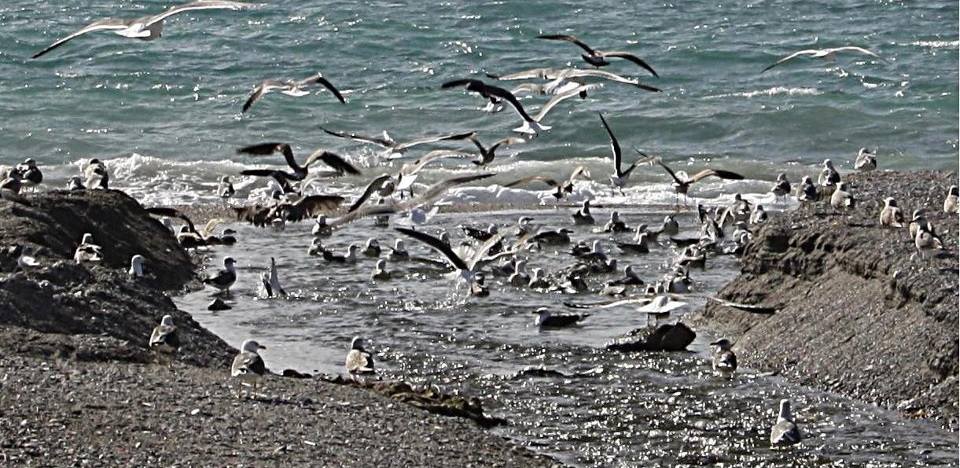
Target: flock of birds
499,249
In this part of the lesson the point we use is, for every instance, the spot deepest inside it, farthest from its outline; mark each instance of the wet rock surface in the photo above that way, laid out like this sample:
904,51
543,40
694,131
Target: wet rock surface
79,386
665,337
858,311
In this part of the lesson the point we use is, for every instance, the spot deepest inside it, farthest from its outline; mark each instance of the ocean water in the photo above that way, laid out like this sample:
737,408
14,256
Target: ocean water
165,116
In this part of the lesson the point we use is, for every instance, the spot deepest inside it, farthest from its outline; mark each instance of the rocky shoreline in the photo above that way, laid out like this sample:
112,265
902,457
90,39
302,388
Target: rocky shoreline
857,311
79,385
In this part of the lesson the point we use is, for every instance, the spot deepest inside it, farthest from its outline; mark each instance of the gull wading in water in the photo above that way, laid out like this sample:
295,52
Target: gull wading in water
466,269
225,277
146,28
164,337
828,54
392,148
293,88
785,431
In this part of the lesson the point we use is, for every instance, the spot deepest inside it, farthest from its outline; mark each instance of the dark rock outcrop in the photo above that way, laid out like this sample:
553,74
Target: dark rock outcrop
663,338
859,312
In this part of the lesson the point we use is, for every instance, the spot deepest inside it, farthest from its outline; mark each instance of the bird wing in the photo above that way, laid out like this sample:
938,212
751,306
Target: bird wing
281,177
263,88
535,73
632,58
372,187
568,38
197,5
437,189
716,173
414,167
210,226
855,49
173,213
808,52
319,79
361,138
313,205
529,179
482,249
333,160
437,245
577,172
670,171
263,149
614,146
509,97
557,99
99,25
579,72
434,139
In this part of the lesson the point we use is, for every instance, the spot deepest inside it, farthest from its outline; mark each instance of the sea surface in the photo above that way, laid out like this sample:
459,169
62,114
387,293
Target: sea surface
165,116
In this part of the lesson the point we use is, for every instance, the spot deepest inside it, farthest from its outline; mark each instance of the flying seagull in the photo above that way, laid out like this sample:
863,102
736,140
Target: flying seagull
487,154
225,277
559,77
146,28
291,88
682,184
828,54
336,162
393,149
466,269
620,176
598,58
530,125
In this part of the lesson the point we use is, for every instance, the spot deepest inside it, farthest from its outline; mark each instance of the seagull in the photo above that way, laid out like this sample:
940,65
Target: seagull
146,28
75,184
890,215
225,189
95,172
598,58
807,192
164,337
359,362
620,176
629,278
828,54
29,172
841,198
682,185
785,431
307,207
782,186
560,79
336,162
866,161
248,366
466,269
350,257
724,362
950,203
519,277
224,278
398,252
372,248
26,261
559,237
290,88
530,125
487,154
393,149
615,224
927,239
547,319
87,251
758,216
562,188
380,273
659,305
670,226
270,282
639,245
829,178
136,266
916,222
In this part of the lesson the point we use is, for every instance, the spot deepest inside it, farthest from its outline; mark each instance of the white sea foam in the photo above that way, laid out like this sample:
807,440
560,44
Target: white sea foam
774,91
937,44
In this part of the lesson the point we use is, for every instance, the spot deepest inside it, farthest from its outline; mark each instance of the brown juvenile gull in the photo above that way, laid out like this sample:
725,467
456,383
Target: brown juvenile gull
248,366
392,148
598,58
293,88
145,28
890,215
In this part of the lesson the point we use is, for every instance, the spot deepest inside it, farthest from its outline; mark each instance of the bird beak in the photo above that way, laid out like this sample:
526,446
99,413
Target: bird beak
262,347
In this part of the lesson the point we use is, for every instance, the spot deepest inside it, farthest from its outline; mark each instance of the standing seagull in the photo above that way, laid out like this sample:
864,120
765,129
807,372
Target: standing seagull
136,266
87,251
248,366
620,176
146,28
225,277
530,125
335,161
950,203
828,54
359,362
782,187
598,58
291,88
785,431
866,161
890,215
164,337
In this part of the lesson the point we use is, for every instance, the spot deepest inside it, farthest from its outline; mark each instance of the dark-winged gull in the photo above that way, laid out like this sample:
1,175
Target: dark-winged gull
398,253
224,278
349,257
562,78
145,28
759,216
466,269
380,273
828,54
336,162
558,237
785,431
807,192
598,58
30,174
582,216
248,367
615,225
866,160
75,183
488,153
639,244
916,221
164,339
530,125
372,249
136,266
87,251
359,362
927,238
890,215
293,88
561,189
519,277
828,179
392,148
547,319
620,176
681,183
723,361
950,202
225,188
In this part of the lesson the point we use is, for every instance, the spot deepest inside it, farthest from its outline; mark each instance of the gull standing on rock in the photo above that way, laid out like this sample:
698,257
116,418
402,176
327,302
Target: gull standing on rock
293,88
146,28
30,173
807,192
950,203
598,58
828,180
225,277
758,216
136,266
841,198
582,216
225,189
359,362
785,431
248,367
164,338
270,281
724,362
866,161
87,251
927,239
890,215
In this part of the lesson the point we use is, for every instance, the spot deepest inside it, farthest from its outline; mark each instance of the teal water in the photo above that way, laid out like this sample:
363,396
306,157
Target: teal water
178,98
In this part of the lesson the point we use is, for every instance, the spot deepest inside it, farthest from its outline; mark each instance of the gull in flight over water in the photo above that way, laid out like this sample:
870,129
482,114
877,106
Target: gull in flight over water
828,54
598,58
293,88
145,28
